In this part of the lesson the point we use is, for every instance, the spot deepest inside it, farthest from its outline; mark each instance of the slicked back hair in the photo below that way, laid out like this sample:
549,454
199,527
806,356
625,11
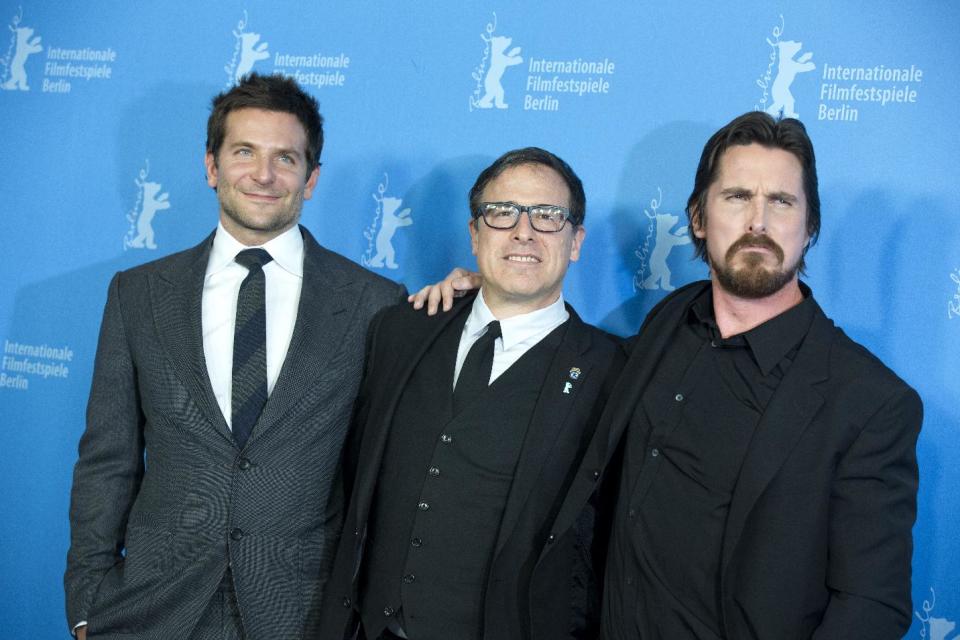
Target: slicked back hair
755,127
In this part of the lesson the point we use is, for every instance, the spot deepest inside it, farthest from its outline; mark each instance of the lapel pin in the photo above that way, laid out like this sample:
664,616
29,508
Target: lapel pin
567,386
574,373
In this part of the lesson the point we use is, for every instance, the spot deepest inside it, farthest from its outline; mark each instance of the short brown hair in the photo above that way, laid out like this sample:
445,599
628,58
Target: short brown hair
272,93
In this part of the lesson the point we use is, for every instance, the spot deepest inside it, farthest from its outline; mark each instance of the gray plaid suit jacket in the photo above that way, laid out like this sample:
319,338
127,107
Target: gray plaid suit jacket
163,501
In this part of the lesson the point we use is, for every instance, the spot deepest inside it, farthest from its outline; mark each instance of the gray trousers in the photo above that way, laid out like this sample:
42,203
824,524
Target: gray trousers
221,619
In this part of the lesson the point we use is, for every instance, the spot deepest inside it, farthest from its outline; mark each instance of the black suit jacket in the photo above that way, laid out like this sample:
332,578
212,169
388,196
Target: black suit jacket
818,538
542,582
163,500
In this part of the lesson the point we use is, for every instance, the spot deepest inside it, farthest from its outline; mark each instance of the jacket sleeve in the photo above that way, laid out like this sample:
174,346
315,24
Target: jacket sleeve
872,510
107,474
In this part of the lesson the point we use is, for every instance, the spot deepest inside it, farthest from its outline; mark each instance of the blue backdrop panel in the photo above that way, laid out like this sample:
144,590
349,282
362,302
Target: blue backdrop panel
103,108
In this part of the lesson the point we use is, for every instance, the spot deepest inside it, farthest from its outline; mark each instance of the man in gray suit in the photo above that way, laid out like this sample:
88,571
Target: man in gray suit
203,502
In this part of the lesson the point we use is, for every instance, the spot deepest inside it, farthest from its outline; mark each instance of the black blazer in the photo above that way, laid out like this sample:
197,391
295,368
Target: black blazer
542,582
199,502
818,538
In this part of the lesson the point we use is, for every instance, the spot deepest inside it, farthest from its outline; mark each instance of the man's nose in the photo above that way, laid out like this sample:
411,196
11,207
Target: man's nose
264,172
524,229
758,216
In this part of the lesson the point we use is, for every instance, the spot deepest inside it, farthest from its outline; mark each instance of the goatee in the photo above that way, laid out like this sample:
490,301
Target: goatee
753,279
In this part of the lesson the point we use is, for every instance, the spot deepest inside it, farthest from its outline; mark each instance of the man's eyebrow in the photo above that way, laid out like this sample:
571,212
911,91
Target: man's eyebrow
782,195
729,191
279,151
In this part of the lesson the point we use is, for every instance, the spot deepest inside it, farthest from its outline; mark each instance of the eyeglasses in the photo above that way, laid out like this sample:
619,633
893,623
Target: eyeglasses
546,218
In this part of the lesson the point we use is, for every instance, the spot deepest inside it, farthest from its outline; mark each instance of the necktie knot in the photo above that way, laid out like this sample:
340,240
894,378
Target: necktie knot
253,258
475,374
493,331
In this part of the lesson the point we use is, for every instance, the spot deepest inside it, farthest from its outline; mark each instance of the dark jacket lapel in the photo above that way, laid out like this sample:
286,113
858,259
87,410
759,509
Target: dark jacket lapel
421,334
645,352
554,408
177,309
788,415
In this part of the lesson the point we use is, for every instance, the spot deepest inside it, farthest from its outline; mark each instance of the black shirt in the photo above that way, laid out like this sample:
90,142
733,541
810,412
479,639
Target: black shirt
685,445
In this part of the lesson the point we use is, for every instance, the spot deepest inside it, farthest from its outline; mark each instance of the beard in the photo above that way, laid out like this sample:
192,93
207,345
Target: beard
247,218
753,279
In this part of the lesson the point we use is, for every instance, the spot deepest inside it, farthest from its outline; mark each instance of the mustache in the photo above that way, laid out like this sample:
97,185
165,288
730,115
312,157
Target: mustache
761,242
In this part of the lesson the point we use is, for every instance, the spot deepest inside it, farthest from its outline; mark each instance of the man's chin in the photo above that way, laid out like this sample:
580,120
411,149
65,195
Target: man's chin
753,282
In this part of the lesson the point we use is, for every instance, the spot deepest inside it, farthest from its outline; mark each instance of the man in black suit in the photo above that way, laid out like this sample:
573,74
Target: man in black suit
769,475
202,503
469,432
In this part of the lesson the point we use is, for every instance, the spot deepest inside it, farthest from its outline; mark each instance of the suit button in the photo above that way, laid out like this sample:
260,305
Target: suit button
409,578
417,542
236,534
244,464
434,471
444,438
423,506
655,452
346,602
678,397
388,611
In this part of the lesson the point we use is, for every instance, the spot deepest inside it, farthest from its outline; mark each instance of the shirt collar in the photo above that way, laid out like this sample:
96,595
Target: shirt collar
286,250
769,342
517,328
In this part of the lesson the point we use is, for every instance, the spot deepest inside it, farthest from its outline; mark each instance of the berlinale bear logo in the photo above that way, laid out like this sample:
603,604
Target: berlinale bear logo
787,69
25,46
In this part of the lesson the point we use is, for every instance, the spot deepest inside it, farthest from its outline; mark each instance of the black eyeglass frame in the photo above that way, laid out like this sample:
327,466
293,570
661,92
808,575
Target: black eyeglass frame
521,209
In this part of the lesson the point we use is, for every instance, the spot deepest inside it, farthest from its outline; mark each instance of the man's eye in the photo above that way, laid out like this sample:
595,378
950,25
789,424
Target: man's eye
244,153
286,159
503,213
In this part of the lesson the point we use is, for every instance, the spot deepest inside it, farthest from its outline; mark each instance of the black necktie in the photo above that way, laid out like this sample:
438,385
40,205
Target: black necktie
250,347
475,374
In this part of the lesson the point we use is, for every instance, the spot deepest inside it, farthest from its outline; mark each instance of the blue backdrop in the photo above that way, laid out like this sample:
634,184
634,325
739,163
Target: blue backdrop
103,108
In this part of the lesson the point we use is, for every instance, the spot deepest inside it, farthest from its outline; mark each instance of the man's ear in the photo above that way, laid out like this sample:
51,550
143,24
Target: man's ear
578,235
311,183
696,222
474,232
211,164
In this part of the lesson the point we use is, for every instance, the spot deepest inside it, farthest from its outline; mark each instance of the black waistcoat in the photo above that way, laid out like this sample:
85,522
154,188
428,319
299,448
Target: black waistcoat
441,492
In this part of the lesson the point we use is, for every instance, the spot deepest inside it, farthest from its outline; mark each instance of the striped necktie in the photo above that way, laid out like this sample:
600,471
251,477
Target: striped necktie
250,347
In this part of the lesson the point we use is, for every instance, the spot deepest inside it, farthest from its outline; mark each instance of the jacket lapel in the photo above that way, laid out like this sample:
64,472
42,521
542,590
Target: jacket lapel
385,405
645,352
792,408
177,300
328,298
550,416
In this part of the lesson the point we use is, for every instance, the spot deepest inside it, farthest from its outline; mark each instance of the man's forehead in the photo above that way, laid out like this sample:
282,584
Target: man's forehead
252,120
751,163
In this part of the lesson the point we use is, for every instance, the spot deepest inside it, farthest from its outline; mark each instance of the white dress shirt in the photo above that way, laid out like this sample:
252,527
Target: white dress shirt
517,334
221,285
